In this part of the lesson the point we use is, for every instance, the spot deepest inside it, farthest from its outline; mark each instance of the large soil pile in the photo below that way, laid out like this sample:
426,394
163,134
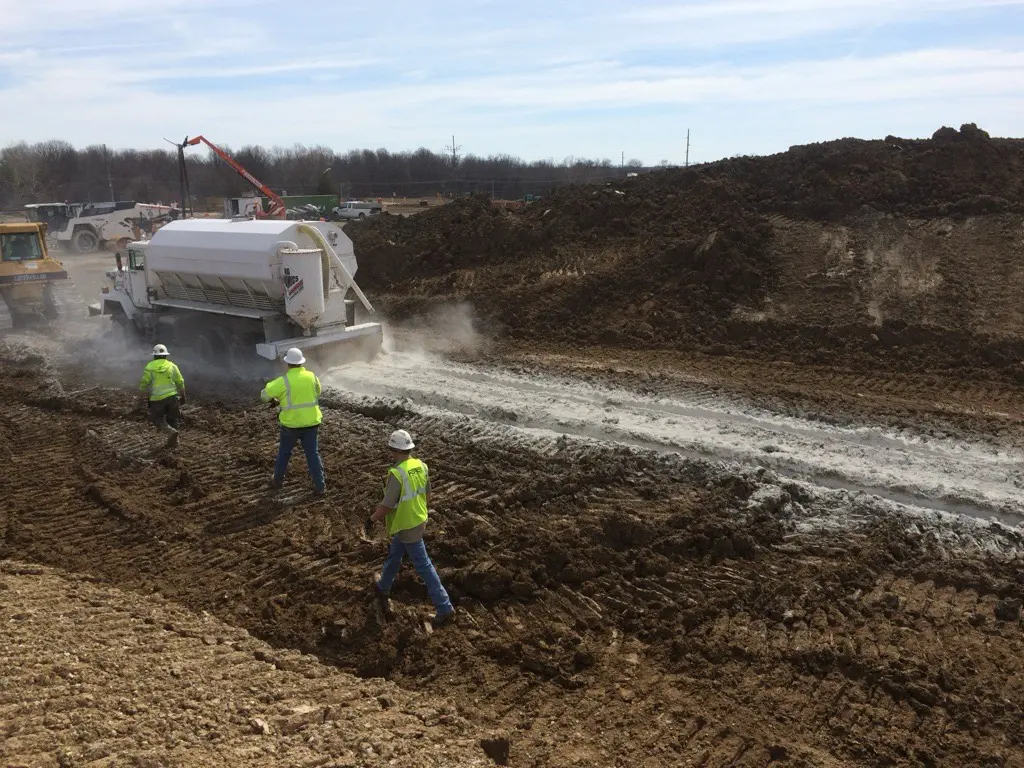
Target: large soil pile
851,252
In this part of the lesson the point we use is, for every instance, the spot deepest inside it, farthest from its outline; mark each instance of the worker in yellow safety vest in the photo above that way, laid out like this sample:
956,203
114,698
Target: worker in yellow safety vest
297,395
404,510
164,390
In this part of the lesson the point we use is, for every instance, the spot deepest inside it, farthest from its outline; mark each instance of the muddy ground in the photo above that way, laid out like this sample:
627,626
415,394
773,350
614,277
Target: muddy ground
96,676
728,465
620,604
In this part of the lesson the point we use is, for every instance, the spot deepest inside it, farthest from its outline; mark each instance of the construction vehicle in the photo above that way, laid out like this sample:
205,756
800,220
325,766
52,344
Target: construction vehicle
277,208
228,288
33,286
86,227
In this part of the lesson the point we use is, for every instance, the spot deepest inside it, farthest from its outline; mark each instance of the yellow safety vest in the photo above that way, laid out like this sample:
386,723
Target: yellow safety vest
161,379
412,502
298,391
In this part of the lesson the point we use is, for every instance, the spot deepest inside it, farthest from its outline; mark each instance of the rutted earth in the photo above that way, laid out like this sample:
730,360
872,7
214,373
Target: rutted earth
96,676
955,475
677,596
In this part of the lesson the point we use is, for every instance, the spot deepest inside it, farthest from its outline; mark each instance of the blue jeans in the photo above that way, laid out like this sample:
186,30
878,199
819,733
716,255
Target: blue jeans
421,562
306,436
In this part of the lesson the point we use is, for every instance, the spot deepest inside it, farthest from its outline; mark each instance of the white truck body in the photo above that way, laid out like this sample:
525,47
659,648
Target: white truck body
86,227
277,283
354,209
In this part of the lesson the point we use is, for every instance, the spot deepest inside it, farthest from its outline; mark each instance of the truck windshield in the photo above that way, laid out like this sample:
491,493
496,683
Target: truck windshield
20,246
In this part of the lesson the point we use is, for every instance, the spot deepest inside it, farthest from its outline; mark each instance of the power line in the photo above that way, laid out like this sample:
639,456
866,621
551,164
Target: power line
455,163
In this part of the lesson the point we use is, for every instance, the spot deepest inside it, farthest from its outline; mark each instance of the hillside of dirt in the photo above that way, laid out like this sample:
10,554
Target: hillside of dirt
617,606
904,254
93,675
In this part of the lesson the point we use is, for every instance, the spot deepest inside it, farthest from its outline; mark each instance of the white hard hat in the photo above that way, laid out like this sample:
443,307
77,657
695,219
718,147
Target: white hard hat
161,350
401,440
294,356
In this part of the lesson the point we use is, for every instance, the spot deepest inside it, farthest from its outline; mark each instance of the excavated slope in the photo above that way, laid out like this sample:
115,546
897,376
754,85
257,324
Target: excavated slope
902,254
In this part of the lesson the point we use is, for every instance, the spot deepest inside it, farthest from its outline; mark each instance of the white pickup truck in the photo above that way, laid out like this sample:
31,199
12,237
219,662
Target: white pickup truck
355,209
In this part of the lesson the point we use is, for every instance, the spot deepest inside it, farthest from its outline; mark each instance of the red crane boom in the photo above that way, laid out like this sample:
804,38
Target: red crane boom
277,206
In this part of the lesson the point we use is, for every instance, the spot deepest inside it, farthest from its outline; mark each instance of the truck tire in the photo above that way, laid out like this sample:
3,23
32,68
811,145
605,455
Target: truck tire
362,215
85,241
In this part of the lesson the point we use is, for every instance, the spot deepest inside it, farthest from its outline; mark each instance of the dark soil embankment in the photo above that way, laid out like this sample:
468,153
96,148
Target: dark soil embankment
900,253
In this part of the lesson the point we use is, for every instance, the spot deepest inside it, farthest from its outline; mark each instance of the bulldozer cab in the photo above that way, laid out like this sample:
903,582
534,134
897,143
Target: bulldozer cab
22,246
31,283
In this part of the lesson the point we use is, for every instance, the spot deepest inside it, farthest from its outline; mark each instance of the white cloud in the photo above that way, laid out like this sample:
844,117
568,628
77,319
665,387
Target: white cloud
540,79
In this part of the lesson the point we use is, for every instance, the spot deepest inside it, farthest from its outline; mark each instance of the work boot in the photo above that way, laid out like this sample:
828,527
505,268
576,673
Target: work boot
443,620
318,492
172,440
276,485
383,601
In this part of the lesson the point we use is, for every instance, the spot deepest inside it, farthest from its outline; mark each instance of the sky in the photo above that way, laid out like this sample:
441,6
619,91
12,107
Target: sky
538,80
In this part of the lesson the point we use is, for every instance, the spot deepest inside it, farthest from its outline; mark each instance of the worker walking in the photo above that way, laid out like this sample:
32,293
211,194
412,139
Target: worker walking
404,510
164,388
297,395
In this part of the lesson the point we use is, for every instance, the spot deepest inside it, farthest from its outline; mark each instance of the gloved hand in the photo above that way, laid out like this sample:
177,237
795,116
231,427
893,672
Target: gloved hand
181,398
274,402
368,526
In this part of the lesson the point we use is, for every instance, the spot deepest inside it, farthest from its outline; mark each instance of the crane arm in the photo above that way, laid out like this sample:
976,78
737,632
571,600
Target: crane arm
277,206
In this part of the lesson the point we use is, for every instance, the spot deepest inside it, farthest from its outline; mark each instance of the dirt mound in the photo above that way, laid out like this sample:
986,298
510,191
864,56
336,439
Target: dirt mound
818,254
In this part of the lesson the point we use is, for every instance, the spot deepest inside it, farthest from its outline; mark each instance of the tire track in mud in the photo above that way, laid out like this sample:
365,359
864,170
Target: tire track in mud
954,476
914,403
611,599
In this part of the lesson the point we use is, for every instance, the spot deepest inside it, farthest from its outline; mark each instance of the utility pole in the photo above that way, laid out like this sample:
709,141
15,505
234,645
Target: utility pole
454,149
622,160
110,181
687,147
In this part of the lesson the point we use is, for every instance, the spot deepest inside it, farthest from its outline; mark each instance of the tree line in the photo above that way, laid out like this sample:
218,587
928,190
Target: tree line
55,171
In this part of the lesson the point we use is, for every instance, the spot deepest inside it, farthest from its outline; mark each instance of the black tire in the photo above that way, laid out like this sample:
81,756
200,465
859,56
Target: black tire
85,241
362,215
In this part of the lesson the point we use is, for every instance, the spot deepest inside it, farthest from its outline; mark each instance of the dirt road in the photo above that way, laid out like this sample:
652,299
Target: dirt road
638,592
966,475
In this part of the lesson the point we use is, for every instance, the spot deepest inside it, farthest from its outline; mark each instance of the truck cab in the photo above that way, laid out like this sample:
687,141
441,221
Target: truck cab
128,291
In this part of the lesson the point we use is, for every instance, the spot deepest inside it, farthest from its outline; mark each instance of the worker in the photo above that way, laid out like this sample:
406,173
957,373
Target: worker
404,510
297,395
164,388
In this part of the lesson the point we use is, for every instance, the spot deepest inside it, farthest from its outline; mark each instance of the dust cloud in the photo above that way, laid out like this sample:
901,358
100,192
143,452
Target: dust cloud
445,330
421,343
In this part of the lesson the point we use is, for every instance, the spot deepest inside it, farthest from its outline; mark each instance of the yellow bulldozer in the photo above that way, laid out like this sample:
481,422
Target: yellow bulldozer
33,286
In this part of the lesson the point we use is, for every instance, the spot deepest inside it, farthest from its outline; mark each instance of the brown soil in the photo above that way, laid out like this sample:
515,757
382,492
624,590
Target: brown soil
902,254
616,608
96,676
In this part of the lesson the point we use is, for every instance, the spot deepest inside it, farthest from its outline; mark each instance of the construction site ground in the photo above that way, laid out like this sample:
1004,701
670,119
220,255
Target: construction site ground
728,470
658,561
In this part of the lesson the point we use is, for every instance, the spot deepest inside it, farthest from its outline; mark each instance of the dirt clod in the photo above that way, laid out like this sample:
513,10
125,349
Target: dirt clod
1008,609
497,748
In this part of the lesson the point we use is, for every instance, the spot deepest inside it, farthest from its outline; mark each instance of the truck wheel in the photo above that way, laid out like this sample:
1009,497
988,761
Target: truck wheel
85,241
362,215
